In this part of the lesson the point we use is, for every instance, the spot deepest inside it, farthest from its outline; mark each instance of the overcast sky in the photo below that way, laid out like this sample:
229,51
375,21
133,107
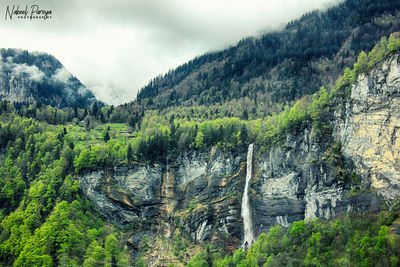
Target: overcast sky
115,47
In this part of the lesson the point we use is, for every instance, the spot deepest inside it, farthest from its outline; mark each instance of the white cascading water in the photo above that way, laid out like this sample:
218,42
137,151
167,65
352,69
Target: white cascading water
246,210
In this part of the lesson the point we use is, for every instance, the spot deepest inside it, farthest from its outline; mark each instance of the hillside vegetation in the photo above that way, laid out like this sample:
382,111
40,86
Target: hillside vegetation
258,91
46,221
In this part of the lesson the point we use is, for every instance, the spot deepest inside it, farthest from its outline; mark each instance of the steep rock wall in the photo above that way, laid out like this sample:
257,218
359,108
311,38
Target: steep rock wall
297,181
201,192
368,126
196,191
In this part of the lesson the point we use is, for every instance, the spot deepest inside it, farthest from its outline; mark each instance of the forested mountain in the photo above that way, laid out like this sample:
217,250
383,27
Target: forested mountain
278,67
78,190
39,77
162,181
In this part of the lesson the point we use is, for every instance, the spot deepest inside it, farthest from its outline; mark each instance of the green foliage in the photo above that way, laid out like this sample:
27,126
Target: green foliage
144,244
383,49
44,221
106,136
112,248
129,153
199,141
95,255
140,263
394,43
192,204
179,246
356,240
198,261
319,110
57,236
362,63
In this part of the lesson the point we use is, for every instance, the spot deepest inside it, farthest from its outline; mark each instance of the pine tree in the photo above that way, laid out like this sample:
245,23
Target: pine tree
95,109
129,153
243,135
106,137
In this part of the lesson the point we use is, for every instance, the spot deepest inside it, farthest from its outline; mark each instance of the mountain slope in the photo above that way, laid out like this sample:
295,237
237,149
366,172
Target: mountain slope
356,178
317,159
39,77
80,190
280,66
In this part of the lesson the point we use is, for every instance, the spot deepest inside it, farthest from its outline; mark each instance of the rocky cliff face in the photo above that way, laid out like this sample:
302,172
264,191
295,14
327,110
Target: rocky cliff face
196,191
30,77
368,126
200,192
298,181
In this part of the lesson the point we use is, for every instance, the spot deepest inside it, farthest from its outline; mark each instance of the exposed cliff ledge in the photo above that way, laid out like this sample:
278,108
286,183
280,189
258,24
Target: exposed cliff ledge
125,195
368,126
200,192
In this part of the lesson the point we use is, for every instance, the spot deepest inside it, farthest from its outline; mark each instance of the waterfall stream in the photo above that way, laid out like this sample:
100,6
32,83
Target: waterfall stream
246,209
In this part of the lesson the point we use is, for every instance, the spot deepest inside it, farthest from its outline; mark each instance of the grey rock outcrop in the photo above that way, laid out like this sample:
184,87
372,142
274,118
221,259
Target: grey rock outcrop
202,189
295,182
91,184
123,195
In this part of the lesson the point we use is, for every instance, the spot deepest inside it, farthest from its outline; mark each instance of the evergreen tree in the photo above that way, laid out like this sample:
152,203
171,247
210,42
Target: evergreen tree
112,248
106,137
129,153
95,109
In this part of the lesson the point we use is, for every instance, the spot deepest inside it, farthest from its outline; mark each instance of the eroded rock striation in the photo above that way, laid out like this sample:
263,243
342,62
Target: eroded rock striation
368,126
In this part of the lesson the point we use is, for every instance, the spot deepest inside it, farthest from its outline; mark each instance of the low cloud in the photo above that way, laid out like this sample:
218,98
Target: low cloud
110,93
83,91
62,75
34,73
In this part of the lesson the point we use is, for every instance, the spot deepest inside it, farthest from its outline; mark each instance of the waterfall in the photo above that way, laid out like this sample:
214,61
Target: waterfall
282,221
166,182
246,210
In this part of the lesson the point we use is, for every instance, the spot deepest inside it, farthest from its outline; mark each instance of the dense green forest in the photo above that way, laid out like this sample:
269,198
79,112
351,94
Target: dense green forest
46,221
